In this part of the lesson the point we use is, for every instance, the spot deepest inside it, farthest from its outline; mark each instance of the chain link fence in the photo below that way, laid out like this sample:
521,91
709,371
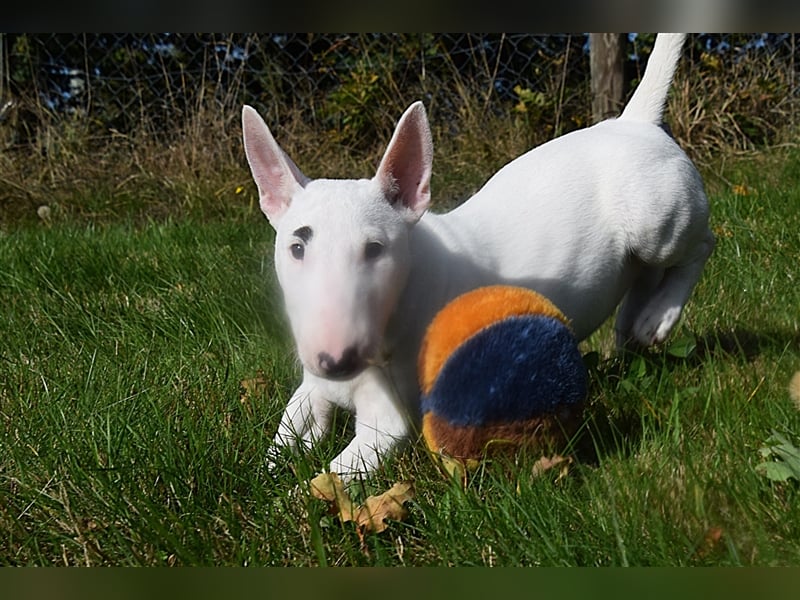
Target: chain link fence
354,85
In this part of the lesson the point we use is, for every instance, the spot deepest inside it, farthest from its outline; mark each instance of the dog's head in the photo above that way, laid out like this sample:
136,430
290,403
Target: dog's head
341,248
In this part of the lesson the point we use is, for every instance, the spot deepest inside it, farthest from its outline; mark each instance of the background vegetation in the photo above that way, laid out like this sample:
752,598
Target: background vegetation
151,123
144,359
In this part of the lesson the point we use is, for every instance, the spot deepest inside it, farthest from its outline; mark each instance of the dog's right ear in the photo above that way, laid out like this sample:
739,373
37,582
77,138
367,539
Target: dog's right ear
276,176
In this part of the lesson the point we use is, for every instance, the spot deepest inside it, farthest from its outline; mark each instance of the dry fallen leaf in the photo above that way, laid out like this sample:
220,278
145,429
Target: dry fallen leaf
329,487
794,389
711,544
546,463
254,386
325,486
389,505
372,515
456,468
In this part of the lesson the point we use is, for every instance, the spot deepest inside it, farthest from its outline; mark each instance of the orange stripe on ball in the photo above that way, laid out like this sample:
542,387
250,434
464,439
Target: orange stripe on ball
469,313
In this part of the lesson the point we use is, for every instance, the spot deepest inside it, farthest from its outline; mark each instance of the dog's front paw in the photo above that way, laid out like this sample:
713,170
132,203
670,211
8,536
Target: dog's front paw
354,462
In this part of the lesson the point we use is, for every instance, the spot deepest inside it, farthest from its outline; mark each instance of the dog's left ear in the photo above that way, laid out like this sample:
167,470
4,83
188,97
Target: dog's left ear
405,170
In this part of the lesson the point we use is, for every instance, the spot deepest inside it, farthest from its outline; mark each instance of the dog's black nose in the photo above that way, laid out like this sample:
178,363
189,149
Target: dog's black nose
349,364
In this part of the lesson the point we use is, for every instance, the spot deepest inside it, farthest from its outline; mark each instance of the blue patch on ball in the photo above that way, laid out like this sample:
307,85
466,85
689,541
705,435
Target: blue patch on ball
516,369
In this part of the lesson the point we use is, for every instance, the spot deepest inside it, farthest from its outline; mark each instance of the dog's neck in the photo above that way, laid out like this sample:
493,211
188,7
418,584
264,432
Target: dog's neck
442,267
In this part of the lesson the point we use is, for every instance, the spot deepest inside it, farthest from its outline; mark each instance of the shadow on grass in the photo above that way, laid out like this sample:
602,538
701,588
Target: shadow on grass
621,387
743,343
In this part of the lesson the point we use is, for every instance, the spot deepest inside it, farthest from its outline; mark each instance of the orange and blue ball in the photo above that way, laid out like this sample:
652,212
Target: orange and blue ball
499,367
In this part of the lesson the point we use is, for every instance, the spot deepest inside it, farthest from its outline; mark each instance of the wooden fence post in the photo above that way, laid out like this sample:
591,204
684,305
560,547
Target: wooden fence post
607,69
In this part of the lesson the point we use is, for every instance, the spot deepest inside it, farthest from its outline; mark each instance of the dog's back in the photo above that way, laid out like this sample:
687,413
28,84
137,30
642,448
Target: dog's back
569,217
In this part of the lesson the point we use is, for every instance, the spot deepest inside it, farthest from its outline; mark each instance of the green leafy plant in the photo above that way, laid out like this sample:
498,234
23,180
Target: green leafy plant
781,459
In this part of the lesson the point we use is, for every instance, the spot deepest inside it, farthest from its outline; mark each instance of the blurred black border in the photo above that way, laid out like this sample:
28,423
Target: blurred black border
410,15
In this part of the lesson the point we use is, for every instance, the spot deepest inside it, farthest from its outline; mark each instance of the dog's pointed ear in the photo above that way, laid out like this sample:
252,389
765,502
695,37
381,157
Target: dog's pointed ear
404,173
276,176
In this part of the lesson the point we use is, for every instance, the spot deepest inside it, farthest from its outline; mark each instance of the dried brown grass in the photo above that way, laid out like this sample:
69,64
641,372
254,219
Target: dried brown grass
719,110
724,105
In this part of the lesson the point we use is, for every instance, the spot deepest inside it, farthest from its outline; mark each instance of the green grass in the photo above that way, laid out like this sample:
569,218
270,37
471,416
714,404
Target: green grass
126,438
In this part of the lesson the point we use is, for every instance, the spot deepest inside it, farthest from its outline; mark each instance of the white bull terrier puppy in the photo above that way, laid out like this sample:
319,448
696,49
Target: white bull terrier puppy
612,213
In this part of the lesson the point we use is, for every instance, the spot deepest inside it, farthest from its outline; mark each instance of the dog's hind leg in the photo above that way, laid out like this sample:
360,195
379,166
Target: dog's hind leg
640,292
659,313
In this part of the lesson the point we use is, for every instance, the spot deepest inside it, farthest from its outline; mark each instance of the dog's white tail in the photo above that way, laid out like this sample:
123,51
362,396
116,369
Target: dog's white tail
650,96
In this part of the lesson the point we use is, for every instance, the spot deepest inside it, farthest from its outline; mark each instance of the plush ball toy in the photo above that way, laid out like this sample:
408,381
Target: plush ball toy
499,364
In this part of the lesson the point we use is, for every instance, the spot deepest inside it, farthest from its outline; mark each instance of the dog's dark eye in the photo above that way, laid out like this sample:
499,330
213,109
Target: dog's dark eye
297,250
373,250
